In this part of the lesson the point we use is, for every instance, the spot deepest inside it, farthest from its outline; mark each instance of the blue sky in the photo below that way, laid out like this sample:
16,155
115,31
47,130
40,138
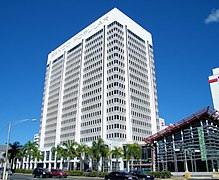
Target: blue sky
185,38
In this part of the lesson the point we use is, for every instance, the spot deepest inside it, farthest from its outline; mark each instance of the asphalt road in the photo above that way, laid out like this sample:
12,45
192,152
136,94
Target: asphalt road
27,177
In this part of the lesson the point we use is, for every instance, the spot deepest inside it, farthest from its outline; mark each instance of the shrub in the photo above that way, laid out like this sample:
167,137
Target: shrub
102,174
93,174
75,173
25,171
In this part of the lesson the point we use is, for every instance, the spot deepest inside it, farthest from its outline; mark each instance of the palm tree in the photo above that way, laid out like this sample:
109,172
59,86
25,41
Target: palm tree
118,153
30,149
82,149
99,150
14,149
59,151
20,155
132,151
71,153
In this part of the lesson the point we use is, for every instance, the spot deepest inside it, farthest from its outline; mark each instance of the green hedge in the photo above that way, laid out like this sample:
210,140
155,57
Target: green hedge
25,171
75,173
91,174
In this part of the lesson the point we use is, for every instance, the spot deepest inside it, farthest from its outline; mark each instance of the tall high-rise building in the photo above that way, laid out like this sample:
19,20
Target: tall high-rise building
101,83
214,85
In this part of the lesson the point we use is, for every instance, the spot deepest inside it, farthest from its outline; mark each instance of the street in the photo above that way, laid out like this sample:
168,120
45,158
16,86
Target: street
27,177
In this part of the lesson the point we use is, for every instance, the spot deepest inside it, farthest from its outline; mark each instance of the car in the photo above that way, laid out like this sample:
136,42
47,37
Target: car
2,171
141,175
87,171
120,175
58,173
42,173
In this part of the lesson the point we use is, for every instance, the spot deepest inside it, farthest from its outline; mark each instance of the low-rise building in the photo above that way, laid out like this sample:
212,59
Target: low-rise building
192,142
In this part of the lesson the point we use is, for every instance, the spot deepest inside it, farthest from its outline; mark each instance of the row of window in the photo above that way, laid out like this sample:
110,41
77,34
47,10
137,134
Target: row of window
116,84
140,115
67,128
115,69
143,94
71,63
115,49
71,107
139,107
138,48
93,53
70,100
69,114
91,107
143,61
93,72
116,126
91,138
116,100
89,123
116,117
75,49
116,135
72,81
94,84
115,76
116,63
94,64
92,130
67,121
115,36
115,23
90,93
94,46
116,92
139,86
141,123
139,130
90,115
115,108
94,35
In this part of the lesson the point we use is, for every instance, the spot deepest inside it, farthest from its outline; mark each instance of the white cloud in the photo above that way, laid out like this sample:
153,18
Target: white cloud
213,17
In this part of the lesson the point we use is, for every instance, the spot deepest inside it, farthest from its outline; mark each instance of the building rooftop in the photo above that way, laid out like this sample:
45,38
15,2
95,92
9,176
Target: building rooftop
205,112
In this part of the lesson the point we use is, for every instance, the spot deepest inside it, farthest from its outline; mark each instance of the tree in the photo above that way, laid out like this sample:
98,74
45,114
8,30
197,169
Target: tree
71,153
20,155
82,149
59,151
99,151
14,149
118,153
132,151
30,149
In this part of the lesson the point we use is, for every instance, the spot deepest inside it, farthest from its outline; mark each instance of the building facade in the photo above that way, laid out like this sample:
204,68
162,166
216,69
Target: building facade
214,85
191,144
101,83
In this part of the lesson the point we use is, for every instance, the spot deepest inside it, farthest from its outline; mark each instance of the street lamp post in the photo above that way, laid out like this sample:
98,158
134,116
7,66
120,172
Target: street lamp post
8,140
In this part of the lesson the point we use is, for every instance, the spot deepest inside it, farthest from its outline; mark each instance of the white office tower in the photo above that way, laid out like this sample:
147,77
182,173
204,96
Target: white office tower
101,83
214,85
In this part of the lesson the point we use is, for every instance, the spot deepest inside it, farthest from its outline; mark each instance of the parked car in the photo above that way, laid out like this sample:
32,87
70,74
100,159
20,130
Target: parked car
42,173
87,171
141,175
2,171
59,173
120,175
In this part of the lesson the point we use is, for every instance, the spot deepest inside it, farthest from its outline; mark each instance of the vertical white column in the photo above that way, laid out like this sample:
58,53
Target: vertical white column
151,92
127,89
78,117
59,114
46,95
104,87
